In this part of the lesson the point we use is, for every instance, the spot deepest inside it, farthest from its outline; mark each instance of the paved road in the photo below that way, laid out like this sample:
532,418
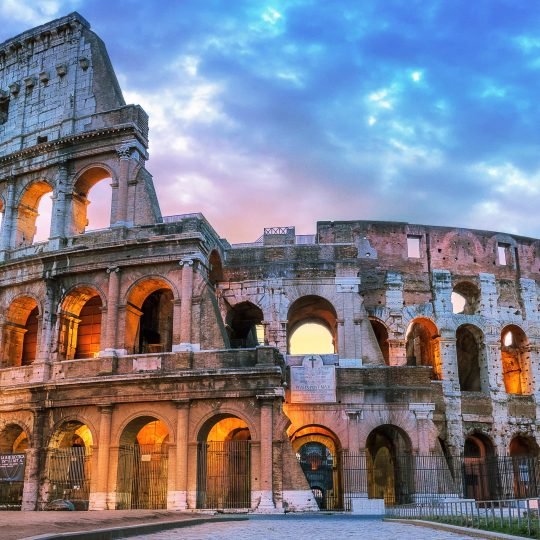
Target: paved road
299,528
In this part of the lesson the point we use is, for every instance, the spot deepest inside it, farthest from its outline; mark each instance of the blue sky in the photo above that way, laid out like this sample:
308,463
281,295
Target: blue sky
267,113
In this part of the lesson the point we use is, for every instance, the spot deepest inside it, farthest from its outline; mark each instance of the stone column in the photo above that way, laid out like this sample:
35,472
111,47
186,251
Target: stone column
35,460
8,220
182,426
58,217
46,337
266,503
99,498
186,306
349,347
177,317
112,313
124,155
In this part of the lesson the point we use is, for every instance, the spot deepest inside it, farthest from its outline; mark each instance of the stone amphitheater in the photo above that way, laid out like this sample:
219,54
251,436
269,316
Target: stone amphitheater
151,364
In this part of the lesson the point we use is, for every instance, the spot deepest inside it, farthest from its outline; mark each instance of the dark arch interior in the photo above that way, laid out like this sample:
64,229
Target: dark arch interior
244,318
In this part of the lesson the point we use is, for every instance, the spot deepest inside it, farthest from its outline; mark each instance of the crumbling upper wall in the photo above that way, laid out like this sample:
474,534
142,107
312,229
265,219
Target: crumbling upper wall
55,81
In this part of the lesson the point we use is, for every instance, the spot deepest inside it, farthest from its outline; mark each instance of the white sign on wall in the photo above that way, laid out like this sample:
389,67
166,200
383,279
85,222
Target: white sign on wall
313,382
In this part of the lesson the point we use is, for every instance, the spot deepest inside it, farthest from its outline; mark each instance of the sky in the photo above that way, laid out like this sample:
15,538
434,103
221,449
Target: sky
289,112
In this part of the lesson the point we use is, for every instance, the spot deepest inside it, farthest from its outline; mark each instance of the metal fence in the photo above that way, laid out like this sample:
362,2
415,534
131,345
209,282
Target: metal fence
515,516
224,474
68,476
142,477
409,478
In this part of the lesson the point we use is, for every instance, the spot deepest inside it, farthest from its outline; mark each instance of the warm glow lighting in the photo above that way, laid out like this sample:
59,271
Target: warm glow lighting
311,338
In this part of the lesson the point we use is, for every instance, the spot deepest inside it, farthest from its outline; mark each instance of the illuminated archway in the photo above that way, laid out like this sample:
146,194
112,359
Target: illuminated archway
311,329
149,317
21,332
68,470
317,450
224,463
423,345
80,324
143,465
515,360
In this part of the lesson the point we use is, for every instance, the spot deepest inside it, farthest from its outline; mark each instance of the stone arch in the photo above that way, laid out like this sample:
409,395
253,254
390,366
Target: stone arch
27,212
471,361
14,438
381,335
463,246
142,473
244,324
523,451
21,331
69,464
136,417
197,427
318,451
85,180
315,310
215,267
149,315
481,480
389,460
422,345
224,462
465,298
515,357
79,322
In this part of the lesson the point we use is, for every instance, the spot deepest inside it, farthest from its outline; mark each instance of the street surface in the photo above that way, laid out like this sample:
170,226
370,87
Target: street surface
326,527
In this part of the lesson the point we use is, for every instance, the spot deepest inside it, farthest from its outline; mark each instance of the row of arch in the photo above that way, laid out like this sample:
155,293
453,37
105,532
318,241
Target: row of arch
35,206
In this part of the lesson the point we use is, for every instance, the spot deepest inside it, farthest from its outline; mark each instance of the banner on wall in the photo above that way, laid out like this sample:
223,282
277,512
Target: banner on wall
12,467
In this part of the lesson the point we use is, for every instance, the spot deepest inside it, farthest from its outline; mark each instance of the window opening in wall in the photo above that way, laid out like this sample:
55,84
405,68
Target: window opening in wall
458,303
413,247
502,254
311,338
42,139
508,339
4,109
99,206
43,219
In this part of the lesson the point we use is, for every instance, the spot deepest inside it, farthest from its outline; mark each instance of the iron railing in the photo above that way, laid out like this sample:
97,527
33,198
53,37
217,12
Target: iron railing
224,474
142,477
68,476
514,516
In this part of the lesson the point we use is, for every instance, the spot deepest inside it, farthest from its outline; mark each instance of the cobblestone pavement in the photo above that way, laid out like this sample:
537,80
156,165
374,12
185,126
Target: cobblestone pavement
299,528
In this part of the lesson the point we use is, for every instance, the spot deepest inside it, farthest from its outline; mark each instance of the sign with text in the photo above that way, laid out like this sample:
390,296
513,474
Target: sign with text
313,382
12,467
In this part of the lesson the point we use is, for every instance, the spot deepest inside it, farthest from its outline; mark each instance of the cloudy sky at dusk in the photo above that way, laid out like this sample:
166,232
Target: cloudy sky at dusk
285,112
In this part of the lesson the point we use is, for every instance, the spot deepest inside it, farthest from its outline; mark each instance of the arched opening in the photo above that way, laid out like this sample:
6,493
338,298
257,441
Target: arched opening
317,450
523,452
94,185
245,326
312,323
33,204
515,360
80,324
149,317
423,346
143,465
481,473
68,471
21,332
465,298
381,334
216,268
13,446
390,464
469,343
224,464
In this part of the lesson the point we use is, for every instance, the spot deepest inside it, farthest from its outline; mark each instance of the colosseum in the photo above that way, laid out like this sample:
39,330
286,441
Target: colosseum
151,364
